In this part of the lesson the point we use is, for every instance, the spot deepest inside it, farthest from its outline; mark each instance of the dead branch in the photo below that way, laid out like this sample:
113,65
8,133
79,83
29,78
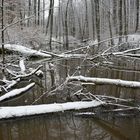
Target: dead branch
27,75
106,81
16,92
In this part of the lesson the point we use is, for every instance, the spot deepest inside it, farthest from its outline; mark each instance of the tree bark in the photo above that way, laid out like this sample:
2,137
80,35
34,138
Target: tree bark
29,12
106,81
137,15
93,20
97,12
2,36
51,24
35,2
38,21
120,21
66,27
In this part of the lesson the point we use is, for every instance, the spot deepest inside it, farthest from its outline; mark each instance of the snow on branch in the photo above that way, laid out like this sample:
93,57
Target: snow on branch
20,111
106,81
16,92
24,50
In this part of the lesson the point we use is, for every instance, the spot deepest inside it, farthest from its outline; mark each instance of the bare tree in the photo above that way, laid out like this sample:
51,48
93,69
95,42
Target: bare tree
29,12
86,28
35,3
120,20
38,20
97,13
137,15
93,18
2,34
66,26
51,24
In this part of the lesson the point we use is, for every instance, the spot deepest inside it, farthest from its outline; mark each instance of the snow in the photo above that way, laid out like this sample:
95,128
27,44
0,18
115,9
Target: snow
85,114
72,55
24,50
19,111
16,92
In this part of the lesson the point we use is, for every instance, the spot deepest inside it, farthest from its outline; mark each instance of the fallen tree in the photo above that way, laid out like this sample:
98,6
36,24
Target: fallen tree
24,51
106,81
20,111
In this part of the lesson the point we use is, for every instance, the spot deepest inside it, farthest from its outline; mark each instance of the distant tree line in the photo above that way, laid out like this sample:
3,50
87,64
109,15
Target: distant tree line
82,19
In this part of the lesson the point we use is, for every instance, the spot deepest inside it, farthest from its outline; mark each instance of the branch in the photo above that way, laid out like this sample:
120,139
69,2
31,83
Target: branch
103,81
27,75
16,92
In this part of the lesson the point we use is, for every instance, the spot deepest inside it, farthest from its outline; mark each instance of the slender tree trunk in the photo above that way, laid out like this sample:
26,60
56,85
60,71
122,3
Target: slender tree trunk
35,2
38,20
2,35
115,16
59,20
97,12
120,21
125,19
66,27
72,19
43,22
137,15
51,25
93,20
109,23
110,27
86,28
29,12
49,17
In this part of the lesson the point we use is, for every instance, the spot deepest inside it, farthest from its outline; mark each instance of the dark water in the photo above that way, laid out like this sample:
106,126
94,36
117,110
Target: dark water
66,125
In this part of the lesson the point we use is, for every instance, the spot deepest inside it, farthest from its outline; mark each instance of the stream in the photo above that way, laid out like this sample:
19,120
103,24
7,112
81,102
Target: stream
67,125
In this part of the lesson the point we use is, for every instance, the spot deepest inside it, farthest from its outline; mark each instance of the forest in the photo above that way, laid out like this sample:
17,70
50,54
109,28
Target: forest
72,66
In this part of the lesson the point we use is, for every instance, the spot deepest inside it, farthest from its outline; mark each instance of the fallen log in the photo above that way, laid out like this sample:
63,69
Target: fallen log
24,50
21,111
106,81
16,92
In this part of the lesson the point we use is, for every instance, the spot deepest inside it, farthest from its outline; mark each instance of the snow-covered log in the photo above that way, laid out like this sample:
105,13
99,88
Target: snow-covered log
106,81
20,111
24,50
16,92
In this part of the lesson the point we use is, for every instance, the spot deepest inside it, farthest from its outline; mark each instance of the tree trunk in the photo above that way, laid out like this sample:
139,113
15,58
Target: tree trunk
137,15
93,22
66,27
86,28
97,12
51,24
115,16
38,21
29,12
106,81
49,17
120,21
2,36
43,22
35,11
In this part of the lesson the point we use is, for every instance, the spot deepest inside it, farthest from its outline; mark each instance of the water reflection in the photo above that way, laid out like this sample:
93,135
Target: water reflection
68,127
